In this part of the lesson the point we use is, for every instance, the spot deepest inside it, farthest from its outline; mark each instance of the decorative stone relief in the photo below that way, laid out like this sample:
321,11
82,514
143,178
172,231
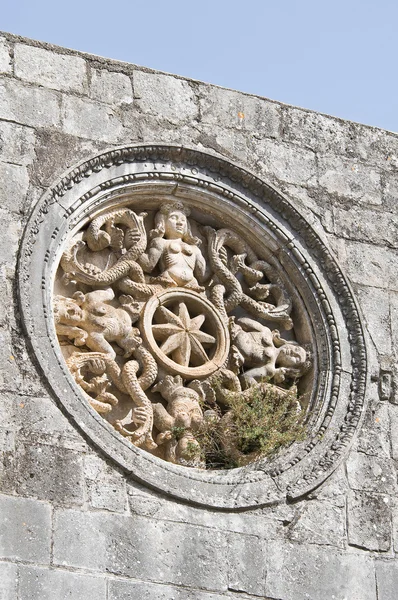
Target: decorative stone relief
159,318
158,285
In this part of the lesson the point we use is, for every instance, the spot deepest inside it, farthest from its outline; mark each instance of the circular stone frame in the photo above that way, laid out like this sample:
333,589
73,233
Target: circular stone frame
223,190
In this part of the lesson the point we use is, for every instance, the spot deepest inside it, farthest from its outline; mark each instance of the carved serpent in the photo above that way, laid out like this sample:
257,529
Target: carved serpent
135,241
253,273
126,381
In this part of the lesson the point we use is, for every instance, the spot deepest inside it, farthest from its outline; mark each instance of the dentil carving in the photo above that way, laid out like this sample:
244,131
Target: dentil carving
161,327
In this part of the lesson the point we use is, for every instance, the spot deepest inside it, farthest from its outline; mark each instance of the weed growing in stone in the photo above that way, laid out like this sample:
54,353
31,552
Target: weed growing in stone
257,423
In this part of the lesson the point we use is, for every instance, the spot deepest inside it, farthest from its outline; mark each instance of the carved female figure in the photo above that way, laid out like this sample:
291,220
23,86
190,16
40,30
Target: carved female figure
174,249
268,355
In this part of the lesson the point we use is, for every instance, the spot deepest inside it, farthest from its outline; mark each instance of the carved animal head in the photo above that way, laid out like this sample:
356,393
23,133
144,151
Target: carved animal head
67,310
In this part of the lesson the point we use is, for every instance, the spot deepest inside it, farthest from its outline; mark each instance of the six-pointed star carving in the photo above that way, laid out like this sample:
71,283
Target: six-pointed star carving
181,336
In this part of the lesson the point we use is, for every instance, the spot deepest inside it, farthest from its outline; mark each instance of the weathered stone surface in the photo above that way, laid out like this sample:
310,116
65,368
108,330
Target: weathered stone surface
374,437
246,564
25,533
17,143
39,419
371,474
164,96
285,162
302,573
48,584
27,105
368,265
387,579
267,524
228,109
370,226
317,132
141,548
111,88
14,183
350,179
375,146
88,119
132,590
50,473
66,149
8,581
394,321
318,522
106,488
5,58
369,521
50,69
375,307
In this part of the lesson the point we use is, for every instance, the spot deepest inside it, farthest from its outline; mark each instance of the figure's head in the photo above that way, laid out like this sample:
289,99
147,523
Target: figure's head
175,225
292,356
171,222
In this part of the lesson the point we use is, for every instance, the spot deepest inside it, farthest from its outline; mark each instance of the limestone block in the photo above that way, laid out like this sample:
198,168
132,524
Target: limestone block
36,107
47,584
14,183
368,265
40,419
374,436
57,151
146,503
387,579
91,120
164,96
52,70
106,487
5,58
351,179
390,190
10,375
318,522
364,225
233,143
374,303
369,521
25,532
8,581
50,473
371,474
287,163
246,560
234,110
317,132
306,572
142,548
120,589
375,146
17,143
111,88
394,321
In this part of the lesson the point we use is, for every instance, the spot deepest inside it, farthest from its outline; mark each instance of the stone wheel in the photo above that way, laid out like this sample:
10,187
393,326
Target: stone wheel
185,333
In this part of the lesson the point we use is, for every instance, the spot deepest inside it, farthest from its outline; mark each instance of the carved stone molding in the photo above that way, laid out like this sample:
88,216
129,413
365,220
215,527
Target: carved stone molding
312,304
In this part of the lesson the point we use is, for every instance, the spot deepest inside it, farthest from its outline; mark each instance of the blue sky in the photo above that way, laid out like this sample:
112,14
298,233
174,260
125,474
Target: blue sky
337,57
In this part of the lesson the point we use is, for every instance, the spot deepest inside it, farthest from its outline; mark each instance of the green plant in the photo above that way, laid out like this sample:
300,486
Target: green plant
258,422
178,432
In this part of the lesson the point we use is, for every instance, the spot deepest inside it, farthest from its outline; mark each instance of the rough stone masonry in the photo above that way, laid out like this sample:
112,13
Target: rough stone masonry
73,525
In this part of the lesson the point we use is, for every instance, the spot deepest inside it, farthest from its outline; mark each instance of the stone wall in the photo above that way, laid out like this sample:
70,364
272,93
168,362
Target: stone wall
73,525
